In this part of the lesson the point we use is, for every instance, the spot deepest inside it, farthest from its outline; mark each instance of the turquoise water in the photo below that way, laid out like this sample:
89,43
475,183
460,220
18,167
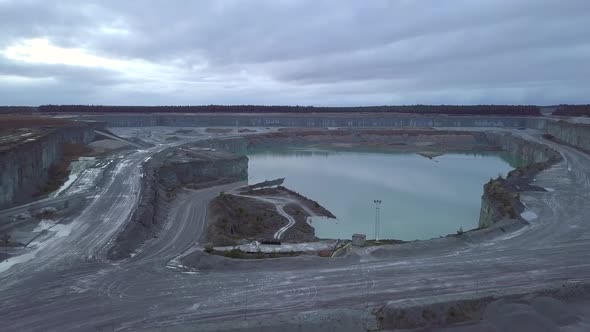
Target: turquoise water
421,198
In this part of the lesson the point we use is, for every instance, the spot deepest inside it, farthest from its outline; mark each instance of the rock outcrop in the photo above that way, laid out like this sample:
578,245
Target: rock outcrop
574,134
501,197
26,155
164,174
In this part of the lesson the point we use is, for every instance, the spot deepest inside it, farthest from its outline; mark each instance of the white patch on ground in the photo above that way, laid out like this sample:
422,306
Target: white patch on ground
514,234
529,215
44,225
175,265
62,230
78,290
77,168
86,181
254,247
35,247
550,189
7,264
71,178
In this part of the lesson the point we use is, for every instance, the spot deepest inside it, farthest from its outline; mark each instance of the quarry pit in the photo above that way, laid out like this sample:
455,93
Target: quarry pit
149,221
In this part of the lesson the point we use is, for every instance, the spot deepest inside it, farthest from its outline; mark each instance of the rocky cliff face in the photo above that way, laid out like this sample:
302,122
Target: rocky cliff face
25,162
526,151
501,198
166,173
315,120
236,145
575,134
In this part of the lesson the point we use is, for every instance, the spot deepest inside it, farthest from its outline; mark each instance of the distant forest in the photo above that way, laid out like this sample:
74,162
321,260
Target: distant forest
16,109
572,110
528,110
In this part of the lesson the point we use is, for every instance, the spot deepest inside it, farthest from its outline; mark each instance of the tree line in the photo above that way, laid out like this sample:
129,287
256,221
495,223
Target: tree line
572,110
16,109
528,110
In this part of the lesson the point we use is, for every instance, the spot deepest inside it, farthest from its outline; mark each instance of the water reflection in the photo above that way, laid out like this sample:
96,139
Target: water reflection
422,198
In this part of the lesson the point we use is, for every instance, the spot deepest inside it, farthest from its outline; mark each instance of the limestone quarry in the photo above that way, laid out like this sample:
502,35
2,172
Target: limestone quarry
161,204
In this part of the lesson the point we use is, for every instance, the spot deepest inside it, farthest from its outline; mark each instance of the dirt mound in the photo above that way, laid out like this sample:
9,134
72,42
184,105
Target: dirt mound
236,217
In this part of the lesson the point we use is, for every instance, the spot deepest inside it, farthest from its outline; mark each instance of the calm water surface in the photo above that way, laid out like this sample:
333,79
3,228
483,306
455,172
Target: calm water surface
421,198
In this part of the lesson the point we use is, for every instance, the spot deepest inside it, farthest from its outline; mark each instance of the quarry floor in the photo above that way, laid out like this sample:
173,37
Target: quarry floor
65,282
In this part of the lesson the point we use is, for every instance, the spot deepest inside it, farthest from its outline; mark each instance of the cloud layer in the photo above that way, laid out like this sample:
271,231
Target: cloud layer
320,52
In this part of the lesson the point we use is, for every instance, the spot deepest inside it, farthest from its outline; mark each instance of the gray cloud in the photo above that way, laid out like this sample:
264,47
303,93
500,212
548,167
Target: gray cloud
322,52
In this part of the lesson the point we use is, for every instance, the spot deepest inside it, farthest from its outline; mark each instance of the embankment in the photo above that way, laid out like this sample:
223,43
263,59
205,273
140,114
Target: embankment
28,149
501,197
532,310
164,175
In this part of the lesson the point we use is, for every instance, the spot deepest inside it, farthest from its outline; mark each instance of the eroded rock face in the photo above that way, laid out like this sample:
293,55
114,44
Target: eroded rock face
575,134
164,174
24,164
501,198
317,120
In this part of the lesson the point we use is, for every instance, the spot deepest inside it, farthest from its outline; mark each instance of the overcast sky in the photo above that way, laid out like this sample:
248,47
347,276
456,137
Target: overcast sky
298,52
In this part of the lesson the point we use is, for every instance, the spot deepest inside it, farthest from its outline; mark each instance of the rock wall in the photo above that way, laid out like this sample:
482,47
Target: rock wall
235,145
24,166
575,134
527,151
164,174
315,120
501,198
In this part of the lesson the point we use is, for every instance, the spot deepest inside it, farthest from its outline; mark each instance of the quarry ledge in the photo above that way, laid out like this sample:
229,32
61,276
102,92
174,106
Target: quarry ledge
166,175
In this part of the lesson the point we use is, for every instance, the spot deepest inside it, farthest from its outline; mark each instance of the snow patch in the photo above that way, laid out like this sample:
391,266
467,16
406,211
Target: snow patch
550,189
71,178
528,215
35,246
44,225
7,264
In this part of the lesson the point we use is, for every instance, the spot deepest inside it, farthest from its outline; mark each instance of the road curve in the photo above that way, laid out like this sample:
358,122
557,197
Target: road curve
69,286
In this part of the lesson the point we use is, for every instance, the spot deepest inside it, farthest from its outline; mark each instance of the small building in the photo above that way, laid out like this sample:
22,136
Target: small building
358,240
